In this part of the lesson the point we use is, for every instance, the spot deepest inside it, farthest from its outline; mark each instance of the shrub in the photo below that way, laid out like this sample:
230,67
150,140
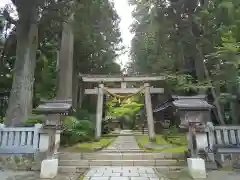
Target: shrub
173,130
3,120
105,127
75,131
34,119
81,114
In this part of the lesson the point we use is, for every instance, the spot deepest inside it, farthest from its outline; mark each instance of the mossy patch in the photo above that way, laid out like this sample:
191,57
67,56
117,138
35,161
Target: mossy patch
179,142
81,177
91,146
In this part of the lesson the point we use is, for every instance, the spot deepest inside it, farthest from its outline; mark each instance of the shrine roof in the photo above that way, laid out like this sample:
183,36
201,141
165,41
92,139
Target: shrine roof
192,104
185,102
53,106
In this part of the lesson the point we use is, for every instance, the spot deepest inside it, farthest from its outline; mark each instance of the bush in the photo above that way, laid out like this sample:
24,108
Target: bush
3,120
75,131
35,119
82,114
173,130
105,127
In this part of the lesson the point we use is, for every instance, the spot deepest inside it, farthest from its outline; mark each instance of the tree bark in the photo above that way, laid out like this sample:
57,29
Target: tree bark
213,91
232,88
75,89
20,101
66,62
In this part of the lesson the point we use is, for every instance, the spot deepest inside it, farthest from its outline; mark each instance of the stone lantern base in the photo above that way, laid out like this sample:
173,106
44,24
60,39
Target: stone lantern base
49,168
196,168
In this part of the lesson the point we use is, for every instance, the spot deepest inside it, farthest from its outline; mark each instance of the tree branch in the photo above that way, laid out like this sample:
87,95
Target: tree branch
8,18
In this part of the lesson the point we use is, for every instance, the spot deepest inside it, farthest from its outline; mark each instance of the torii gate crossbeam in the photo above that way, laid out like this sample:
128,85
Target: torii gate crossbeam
99,91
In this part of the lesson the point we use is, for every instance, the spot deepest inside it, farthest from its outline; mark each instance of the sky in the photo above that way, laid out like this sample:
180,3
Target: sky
124,12
3,2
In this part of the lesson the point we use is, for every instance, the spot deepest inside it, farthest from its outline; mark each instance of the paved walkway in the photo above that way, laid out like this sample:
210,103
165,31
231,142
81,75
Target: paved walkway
123,144
121,173
219,175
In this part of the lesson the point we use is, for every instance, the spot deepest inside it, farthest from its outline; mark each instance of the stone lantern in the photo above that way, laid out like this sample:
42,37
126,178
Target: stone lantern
194,114
54,111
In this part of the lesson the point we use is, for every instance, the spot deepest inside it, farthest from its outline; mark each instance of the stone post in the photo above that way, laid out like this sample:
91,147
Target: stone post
148,104
192,138
123,85
99,112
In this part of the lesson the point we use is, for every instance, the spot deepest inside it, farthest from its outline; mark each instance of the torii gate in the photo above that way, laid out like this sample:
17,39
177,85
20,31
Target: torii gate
100,91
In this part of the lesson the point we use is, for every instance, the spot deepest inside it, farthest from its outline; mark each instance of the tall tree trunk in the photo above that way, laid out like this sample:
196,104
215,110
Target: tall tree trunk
220,116
66,62
198,62
20,101
75,89
232,88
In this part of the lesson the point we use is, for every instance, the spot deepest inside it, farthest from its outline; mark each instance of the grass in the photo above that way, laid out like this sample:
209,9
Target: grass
91,146
179,140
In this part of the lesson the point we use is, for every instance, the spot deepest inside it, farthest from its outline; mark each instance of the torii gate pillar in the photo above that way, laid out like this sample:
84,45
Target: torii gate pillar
148,103
98,131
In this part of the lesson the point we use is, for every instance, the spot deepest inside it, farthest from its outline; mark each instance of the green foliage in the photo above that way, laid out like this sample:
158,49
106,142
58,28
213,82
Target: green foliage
2,120
180,142
105,127
35,119
126,108
125,111
91,146
82,114
96,43
75,130
173,130
195,44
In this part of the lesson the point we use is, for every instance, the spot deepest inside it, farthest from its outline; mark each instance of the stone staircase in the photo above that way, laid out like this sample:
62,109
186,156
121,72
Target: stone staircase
139,132
80,162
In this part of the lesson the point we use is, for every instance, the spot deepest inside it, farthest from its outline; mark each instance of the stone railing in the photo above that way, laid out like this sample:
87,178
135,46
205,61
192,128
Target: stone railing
29,152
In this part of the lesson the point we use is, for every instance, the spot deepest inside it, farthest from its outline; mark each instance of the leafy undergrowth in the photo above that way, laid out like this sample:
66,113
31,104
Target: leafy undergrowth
179,141
91,146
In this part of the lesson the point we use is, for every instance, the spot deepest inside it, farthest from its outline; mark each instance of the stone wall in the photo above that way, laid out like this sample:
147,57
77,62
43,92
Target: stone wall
28,162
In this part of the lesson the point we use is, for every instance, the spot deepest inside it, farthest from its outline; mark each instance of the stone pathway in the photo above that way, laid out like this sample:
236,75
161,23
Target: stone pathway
126,132
121,173
123,144
114,172
27,175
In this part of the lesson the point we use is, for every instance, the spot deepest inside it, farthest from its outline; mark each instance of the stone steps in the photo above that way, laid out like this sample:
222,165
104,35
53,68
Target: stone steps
90,163
122,151
77,169
119,156
140,132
